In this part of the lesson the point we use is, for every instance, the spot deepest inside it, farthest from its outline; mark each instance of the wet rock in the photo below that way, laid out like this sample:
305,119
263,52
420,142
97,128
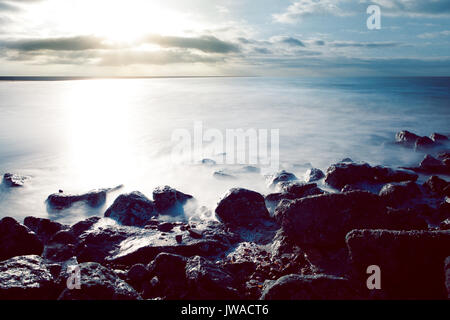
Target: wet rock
208,162
207,281
223,176
304,287
165,227
17,240
314,174
447,276
281,176
438,186
132,209
44,228
196,234
341,174
137,275
404,219
14,180
411,262
424,143
443,155
399,193
166,197
60,247
93,198
179,238
430,163
240,207
26,278
437,137
299,190
80,227
324,220
445,225
98,283
406,138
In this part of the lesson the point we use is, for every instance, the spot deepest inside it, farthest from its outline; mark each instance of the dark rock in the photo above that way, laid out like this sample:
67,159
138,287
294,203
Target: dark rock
17,240
26,278
299,190
399,193
314,174
346,160
305,287
424,143
447,276
207,281
80,227
179,238
443,155
281,176
165,227
166,197
137,276
437,137
404,219
411,262
98,283
431,164
341,174
324,220
445,225
132,209
60,247
406,138
14,180
437,186
196,234
44,228
208,162
240,207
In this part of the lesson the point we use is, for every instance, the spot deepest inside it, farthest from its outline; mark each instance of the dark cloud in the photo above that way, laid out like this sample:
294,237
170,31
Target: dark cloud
262,50
292,41
54,44
319,42
355,44
209,44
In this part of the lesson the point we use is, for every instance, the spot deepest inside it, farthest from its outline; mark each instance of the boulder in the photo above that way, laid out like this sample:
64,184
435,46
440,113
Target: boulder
80,227
26,278
324,220
281,176
424,143
430,163
60,247
207,281
137,275
132,209
314,174
166,197
14,180
395,194
437,137
208,162
411,262
97,283
239,207
308,287
404,219
17,240
437,186
294,190
44,228
406,138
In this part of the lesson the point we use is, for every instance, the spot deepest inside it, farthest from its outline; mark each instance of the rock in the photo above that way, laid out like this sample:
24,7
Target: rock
346,160
93,198
60,247
314,174
447,276
208,162
281,176
26,278
17,240
44,228
308,287
443,155
424,143
239,207
179,238
299,190
437,137
406,138
445,225
223,176
324,220
166,197
251,169
132,209
195,233
399,193
341,174
137,275
437,186
411,262
80,227
208,281
431,164
165,227
98,283
14,180
404,219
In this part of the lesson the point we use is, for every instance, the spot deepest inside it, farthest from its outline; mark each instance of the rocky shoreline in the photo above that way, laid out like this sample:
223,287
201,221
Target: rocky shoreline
297,242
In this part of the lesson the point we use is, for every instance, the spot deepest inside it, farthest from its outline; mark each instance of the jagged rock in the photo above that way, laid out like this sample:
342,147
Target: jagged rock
411,262
98,283
281,176
314,174
93,198
437,137
294,190
443,155
430,163
60,247
17,240
80,227
132,209
306,287
26,278
399,193
406,138
437,186
445,225
207,281
44,228
14,180
324,220
341,174
239,207
424,143
166,197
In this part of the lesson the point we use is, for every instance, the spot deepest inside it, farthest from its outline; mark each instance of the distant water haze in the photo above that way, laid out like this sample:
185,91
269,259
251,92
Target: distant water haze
87,134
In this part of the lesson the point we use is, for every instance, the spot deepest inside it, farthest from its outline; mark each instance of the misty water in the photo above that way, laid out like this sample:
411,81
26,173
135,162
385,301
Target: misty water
86,134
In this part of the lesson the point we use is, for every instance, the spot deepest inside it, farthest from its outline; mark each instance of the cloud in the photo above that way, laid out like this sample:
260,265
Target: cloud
54,44
290,41
303,8
209,44
369,45
11,5
413,8
430,35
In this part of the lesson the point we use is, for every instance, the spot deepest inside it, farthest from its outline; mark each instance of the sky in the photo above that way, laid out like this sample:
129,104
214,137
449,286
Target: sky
223,38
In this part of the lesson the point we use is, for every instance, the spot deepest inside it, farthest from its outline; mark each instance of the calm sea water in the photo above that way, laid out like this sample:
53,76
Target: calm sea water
86,134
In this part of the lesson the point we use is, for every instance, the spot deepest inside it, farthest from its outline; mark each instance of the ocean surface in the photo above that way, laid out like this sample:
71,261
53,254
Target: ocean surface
78,135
